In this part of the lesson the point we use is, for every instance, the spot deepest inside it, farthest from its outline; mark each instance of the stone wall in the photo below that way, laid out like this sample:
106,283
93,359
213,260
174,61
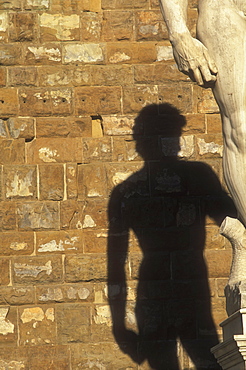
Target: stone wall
74,76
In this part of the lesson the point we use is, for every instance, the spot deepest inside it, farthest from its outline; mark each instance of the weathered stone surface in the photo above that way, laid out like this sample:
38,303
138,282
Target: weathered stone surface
112,75
20,182
131,52
135,98
97,100
3,27
91,26
95,241
120,125
10,54
91,181
8,326
205,101
210,146
195,123
66,293
13,5
37,270
118,25
55,150
23,27
179,95
3,76
85,268
45,102
150,26
73,323
95,214
44,54
22,76
65,76
97,150
122,4
59,242
51,181
8,102
7,216
21,128
5,272
13,243
72,180
214,124
218,263
83,53
38,215
63,127
16,296
72,214
57,27
164,52
36,4
213,238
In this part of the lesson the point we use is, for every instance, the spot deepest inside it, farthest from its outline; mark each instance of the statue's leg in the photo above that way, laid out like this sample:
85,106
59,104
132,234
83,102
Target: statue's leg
222,29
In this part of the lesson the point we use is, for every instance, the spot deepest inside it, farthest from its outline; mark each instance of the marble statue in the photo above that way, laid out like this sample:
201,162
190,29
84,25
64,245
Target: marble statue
216,58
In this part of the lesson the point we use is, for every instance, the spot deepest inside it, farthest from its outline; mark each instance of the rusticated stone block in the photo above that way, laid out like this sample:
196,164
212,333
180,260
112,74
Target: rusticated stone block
118,25
17,296
218,307
63,127
214,124
120,125
59,242
2,76
195,123
37,325
91,26
91,181
97,100
5,275
45,102
210,146
10,54
65,76
13,5
37,270
7,216
73,323
13,243
102,323
112,75
21,128
51,181
66,293
123,4
8,326
59,27
86,268
3,26
131,52
8,102
221,283
72,214
205,101
137,97
95,241
72,180
150,26
218,263
95,214
157,74
22,76
54,150
179,95
83,53
44,54
20,182
36,4
38,215
22,27
97,150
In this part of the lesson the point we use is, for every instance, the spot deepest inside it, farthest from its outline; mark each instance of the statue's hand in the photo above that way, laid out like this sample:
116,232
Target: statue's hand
193,59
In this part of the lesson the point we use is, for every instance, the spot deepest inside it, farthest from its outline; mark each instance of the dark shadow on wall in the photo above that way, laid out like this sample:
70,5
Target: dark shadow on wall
165,204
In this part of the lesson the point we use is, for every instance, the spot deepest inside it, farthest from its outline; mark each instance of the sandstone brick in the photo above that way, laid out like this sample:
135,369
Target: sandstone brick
20,182
37,325
8,102
5,272
157,74
38,216
8,326
154,4
13,5
3,129
45,102
102,323
54,150
21,128
137,97
73,323
164,51
13,243
63,127
195,123
12,151
10,54
3,27
59,242
37,270
112,75
91,181
51,182
218,263
150,26
95,241
85,268
24,76
179,95
97,100
17,296
36,4
7,216
65,76
43,54
3,76
66,293
213,238
71,180
221,283
71,6
218,311
122,4
95,150
120,125
214,125
205,100
118,25
95,214
91,26
83,53
59,27
131,52
72,214
210,146
22,27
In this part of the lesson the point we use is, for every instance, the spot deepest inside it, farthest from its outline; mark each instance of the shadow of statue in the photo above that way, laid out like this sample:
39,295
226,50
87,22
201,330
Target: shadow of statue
164,204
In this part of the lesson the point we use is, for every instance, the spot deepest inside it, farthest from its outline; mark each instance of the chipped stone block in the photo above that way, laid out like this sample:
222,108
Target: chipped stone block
10,54
66,293
72,180
8,102
8,326
97,150
36,4
63,127
15,243
179,95
85,268
91,26
37,270
83,53
210,146
21,128
38,215
22,76
95,214
44,54
95,241
72,214
51,182
91,181
112,75
3,27
131,52
5,271
150,26
120,125
17,296
59,27
135,98
20,182
164,52
59,242
65,76
22,27
12,151
7,216
118,25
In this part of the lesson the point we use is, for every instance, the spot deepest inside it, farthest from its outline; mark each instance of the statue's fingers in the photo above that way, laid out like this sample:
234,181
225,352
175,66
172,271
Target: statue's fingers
206,74
197,76
211,63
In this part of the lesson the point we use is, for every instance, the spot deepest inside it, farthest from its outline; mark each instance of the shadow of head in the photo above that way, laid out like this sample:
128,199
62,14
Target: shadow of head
157,131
